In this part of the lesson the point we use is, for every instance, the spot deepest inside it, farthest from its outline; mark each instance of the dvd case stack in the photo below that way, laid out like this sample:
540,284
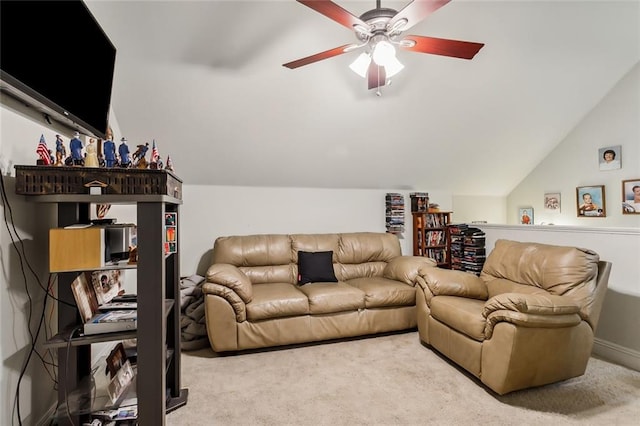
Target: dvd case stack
394,213
468,251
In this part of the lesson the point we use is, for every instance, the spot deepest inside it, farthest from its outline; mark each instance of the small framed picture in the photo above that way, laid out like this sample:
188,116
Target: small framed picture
526,215
610,157
552,202
631,196
590,201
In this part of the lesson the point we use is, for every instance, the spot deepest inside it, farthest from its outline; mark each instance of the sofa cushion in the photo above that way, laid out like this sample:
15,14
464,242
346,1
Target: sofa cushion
382,292
315,267
275,300
327,298
462,314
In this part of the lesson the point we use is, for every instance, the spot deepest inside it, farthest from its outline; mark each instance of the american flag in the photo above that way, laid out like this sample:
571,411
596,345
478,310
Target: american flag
154,153
43,151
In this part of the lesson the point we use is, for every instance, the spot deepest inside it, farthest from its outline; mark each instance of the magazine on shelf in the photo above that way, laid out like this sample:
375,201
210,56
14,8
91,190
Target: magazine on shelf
96,322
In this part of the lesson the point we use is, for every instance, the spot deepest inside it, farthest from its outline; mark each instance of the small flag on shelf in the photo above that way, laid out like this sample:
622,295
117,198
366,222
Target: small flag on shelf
43,151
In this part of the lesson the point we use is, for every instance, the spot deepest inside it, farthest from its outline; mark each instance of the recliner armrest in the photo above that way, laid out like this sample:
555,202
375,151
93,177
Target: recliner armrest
446,282
531,303
232,277
406,268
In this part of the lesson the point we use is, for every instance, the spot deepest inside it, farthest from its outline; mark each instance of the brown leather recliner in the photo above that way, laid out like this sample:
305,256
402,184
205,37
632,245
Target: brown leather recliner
529,319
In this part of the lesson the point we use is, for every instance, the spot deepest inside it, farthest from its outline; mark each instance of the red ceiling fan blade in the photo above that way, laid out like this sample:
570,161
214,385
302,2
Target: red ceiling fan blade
318,56
416,11
444,47
334,12
376,76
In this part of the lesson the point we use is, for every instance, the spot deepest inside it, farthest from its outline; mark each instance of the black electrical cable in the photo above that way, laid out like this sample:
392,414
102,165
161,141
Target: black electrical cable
23,260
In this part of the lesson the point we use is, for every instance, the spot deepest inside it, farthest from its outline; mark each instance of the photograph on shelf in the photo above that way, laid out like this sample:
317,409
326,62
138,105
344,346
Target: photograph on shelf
631,196
84,296
107,284
610,157
120,382
116,358
552,202
590,201
526,215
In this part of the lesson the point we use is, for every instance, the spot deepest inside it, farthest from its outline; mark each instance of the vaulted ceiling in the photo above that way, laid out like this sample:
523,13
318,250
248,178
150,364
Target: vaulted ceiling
205,80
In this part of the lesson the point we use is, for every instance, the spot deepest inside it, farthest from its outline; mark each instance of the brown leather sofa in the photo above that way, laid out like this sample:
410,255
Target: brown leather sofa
253,298
527,320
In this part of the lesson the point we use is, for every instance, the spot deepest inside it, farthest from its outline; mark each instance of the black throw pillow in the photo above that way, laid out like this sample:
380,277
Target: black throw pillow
315,266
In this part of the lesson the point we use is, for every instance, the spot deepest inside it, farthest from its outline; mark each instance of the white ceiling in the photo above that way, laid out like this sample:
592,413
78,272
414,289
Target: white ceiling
205,80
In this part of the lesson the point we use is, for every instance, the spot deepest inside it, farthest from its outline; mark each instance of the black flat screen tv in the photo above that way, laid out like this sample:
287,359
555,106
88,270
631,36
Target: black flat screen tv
55,56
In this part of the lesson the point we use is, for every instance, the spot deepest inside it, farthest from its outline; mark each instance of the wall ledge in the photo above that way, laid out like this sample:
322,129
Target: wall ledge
560,228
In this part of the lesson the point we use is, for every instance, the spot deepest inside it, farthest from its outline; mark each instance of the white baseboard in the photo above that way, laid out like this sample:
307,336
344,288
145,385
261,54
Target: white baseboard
616,353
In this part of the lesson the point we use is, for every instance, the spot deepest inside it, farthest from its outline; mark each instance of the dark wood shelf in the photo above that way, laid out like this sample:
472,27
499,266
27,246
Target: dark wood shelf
422,230
158,377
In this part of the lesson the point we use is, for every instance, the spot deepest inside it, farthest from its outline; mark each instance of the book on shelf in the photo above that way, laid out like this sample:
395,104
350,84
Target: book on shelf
94,320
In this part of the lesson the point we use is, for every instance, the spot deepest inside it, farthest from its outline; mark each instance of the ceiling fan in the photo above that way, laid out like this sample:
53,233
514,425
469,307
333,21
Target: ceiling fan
378,31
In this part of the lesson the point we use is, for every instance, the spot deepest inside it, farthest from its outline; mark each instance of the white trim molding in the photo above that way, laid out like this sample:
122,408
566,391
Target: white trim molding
616,353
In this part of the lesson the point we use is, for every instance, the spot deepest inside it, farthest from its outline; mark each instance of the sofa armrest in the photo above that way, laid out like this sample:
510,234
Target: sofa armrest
406,268
238,305
232,277
446,282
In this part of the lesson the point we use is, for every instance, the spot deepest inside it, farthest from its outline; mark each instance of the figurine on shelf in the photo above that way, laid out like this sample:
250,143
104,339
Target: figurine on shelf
139,156
43,152
169,165
91,156
109,149
133,255
61,151
123,150
76,150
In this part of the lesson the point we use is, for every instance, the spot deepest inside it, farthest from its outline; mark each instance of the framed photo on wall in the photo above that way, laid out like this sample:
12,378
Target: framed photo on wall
526,215
610,157
552,202
631,196
590,201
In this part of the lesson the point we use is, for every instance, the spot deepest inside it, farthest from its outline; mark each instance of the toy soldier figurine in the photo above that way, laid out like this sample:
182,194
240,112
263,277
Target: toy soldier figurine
109,148
123,150
61,151
76,150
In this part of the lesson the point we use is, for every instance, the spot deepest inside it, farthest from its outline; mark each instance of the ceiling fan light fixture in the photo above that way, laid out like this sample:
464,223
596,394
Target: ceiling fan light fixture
361,65
383,53
393,67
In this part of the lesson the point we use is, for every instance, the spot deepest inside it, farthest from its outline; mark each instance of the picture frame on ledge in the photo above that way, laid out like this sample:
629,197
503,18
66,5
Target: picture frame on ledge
590,201
631,196
552,202
525,215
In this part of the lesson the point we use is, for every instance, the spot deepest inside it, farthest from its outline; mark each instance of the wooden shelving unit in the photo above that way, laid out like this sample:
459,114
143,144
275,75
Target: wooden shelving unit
431,236
158,389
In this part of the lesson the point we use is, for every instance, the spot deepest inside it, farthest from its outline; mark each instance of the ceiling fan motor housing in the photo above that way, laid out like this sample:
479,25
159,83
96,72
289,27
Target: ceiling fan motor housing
377,19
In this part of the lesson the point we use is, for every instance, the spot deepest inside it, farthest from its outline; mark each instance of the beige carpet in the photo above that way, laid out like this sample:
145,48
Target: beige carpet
387,380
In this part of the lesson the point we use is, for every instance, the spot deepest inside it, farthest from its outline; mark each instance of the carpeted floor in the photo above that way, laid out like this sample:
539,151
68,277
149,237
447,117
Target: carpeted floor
387,380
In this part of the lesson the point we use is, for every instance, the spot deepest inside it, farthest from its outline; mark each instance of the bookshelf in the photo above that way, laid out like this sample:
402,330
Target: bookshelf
158,388
431,236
